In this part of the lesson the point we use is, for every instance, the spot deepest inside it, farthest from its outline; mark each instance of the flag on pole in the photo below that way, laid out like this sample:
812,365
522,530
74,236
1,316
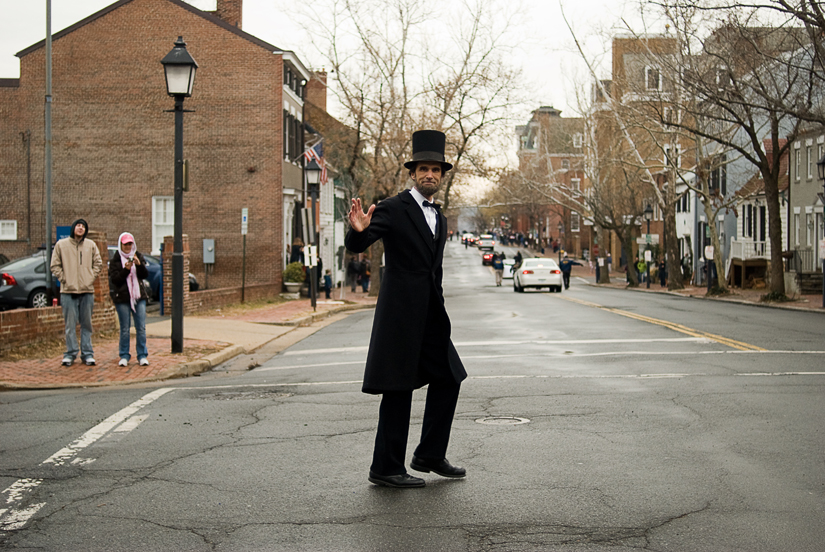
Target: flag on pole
317,152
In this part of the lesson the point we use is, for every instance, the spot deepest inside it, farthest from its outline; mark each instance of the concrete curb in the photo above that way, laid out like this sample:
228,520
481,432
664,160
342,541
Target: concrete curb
314,317
720,298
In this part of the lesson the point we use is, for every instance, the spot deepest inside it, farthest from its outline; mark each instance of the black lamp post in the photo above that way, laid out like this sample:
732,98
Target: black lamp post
561,231
313,175
820,169
179,68
648,215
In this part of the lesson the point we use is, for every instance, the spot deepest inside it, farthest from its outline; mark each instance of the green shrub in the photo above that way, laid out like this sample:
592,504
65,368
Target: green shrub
294,272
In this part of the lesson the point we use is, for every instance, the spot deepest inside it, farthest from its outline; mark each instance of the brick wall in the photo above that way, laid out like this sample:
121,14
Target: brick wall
215,298
113,142
26,326
168,249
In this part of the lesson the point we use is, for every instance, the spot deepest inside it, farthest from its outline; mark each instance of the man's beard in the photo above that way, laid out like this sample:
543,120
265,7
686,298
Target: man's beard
428,189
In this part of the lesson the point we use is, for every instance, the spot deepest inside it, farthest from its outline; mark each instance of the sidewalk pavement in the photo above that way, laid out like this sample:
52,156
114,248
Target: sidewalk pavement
210,338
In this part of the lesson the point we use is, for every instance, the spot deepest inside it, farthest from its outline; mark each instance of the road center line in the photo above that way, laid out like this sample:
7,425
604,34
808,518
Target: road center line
671,325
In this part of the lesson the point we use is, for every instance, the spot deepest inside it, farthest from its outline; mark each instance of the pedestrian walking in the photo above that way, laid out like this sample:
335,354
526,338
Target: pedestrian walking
76,263
127,270
566,266
641,270
364,275
327,283
662,273
353,268
410,345
498,267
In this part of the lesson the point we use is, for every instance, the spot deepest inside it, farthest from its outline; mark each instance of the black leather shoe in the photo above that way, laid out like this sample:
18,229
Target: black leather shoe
402,481
441,467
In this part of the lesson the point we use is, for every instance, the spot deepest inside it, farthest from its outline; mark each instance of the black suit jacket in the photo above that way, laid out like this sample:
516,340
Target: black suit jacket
410,344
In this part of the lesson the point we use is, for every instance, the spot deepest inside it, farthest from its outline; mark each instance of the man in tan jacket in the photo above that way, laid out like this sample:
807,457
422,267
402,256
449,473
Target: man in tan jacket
76,263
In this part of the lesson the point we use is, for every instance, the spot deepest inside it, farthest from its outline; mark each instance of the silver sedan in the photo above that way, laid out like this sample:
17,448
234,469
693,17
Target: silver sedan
537,273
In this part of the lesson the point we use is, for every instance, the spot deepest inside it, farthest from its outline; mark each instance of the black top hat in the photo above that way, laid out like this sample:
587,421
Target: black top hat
428,145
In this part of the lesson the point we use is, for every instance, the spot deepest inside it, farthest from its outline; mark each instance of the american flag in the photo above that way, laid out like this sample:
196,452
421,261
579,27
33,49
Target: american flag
317,152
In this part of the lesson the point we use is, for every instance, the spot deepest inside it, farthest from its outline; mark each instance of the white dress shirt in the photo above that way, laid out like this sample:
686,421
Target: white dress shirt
430,213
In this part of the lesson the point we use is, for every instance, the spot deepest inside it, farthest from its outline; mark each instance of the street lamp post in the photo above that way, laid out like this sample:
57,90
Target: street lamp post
313,176
648,215
179,68
820,169
561,230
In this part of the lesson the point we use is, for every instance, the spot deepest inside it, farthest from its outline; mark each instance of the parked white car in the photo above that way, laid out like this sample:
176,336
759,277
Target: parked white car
538,273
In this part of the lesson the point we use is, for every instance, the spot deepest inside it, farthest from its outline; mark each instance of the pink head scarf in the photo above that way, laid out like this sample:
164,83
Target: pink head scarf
132,281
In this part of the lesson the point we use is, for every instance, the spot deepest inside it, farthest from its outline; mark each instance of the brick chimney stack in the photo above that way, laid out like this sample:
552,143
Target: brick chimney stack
317,89
230,11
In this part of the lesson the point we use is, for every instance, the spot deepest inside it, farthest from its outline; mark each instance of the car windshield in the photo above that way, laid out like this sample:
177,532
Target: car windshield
538,263
24,264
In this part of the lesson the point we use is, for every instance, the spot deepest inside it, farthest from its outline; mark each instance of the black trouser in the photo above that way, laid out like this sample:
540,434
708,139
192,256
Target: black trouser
566,277
394,426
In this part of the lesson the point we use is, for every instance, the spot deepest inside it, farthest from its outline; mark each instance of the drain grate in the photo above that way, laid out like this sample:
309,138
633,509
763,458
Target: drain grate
502,420
244,395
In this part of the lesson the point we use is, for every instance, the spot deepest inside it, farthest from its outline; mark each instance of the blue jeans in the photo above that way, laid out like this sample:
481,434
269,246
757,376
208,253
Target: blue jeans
77,307
124,312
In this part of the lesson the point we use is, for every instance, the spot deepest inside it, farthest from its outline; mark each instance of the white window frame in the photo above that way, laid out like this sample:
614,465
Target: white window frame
565,164
797,163
575,221
796,229
577,140
159,230
576,184
8,230
678,156
648,71
809,151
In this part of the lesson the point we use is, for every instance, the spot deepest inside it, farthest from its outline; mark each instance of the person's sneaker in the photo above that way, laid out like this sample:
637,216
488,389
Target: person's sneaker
123,362
67,361
144,361
90,361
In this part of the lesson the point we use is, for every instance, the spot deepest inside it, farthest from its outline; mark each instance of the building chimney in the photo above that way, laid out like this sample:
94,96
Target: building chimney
230,11
317,89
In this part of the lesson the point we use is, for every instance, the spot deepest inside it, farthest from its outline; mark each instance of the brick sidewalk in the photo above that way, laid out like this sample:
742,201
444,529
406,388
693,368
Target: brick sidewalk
49,373
202,353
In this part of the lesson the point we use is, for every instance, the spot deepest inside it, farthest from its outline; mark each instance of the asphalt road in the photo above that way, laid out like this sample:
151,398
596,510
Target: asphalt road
593,420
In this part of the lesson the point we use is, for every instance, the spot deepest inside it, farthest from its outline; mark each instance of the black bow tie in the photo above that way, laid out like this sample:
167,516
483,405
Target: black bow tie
435,206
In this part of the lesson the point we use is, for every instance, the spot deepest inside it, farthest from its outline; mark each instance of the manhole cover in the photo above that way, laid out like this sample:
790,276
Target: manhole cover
245,395
502,420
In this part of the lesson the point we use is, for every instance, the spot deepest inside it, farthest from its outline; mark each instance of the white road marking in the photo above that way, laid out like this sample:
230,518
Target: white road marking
65,454
524,376
565,354
520,342
13,516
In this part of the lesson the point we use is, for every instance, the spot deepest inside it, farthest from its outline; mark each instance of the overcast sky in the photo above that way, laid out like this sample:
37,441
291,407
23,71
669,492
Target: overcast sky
551,68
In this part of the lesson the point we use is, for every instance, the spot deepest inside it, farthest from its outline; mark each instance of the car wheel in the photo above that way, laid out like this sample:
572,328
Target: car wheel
38,299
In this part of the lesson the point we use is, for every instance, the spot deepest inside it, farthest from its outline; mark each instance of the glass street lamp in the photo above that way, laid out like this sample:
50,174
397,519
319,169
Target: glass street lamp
179,68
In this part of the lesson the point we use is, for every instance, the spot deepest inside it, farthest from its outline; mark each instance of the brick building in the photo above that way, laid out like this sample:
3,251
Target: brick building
113,139
551,156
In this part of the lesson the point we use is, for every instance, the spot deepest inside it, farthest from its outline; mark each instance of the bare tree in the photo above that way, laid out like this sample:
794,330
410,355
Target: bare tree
748,84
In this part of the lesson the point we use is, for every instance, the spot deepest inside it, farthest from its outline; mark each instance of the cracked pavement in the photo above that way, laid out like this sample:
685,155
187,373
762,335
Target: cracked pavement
637,439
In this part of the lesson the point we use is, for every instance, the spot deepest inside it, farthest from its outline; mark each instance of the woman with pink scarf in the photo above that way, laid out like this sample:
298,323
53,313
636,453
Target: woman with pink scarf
127,270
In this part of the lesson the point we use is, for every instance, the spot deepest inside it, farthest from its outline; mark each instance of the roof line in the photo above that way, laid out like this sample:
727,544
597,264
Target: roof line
180,3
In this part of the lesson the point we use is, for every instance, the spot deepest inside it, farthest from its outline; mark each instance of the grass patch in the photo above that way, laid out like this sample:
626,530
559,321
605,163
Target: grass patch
774,297
243,308
51,348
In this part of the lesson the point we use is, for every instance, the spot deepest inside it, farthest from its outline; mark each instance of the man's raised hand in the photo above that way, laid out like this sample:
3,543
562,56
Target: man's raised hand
358,219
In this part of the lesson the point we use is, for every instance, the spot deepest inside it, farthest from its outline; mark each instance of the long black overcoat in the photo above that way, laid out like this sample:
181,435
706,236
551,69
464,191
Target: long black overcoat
410,344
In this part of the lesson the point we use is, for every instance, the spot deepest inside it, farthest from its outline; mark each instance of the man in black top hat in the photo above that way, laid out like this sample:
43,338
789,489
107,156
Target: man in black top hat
410,345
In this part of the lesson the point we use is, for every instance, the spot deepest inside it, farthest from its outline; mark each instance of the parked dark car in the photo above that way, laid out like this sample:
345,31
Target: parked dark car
3,259
155,279
23,283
